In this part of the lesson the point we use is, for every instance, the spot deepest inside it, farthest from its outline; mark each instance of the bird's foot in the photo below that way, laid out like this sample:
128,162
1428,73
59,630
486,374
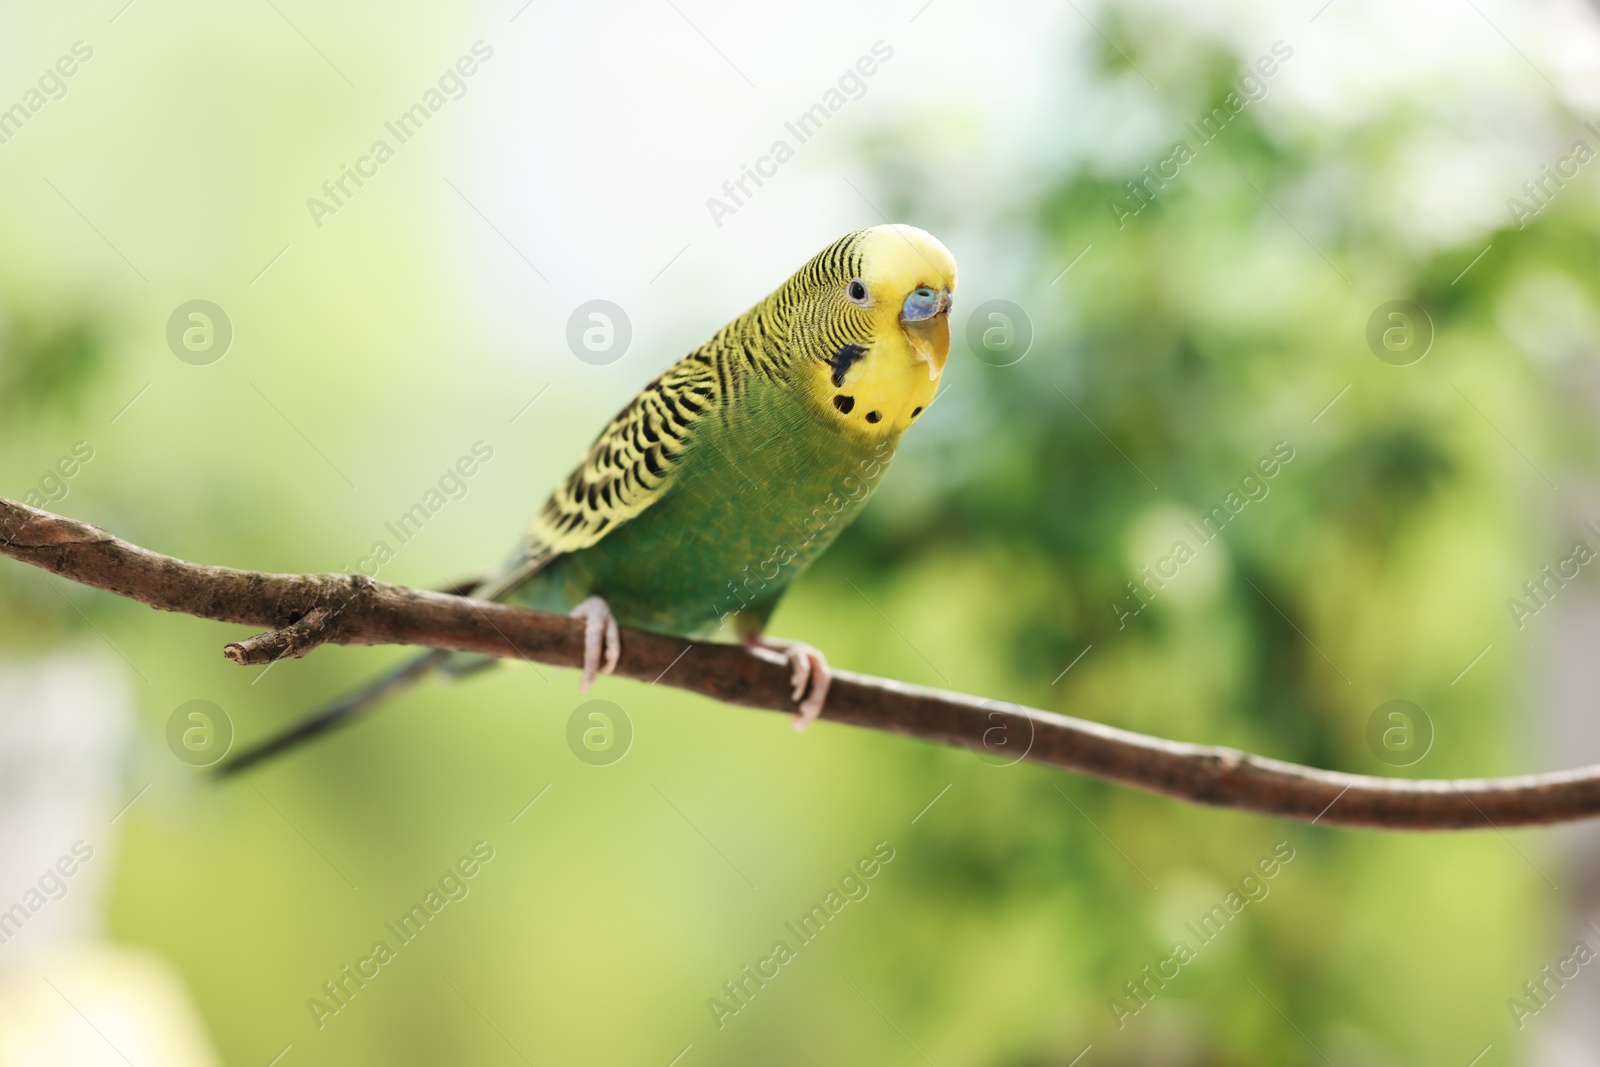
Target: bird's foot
600,630
808,671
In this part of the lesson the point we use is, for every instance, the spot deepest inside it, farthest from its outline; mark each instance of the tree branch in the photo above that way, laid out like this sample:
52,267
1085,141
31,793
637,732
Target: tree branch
294,640
303,611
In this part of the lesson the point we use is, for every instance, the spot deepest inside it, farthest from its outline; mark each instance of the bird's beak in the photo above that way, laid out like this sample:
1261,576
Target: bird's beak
925,316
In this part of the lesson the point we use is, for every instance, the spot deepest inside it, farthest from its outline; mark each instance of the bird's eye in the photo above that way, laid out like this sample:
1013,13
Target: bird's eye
856,291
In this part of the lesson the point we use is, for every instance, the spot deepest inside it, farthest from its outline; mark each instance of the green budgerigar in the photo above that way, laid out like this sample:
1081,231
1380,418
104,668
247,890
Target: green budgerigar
731,472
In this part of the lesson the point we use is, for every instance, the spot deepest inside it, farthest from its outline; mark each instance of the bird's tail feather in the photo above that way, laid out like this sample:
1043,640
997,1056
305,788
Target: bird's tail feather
339,713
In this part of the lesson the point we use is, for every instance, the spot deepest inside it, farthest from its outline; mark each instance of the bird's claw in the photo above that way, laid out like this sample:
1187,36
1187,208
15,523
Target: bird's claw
599,631
809,673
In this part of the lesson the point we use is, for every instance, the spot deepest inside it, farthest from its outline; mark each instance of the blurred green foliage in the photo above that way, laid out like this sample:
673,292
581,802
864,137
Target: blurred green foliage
1188,340
45,363
1181,348
48,361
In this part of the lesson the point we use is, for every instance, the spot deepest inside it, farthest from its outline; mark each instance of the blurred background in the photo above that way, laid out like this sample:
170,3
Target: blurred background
1371,267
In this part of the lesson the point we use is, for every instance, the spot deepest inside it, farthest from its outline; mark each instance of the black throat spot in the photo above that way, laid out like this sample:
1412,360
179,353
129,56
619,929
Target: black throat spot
843,360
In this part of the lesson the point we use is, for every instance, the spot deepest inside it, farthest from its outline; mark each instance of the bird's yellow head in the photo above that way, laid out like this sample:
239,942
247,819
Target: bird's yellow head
870,327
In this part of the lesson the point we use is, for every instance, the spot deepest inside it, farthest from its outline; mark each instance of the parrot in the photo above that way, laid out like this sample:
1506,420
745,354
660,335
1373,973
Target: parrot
729,474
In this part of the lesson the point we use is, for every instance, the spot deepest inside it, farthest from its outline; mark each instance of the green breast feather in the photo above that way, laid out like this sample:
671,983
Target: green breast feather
757,493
